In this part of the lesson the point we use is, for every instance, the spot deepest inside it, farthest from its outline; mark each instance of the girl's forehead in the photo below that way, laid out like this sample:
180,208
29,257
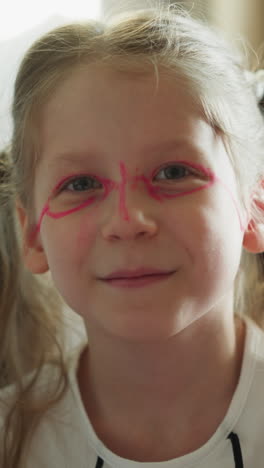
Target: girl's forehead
102,86
96,101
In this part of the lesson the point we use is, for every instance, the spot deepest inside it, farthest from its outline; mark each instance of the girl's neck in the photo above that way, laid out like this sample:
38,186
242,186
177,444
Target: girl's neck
162,390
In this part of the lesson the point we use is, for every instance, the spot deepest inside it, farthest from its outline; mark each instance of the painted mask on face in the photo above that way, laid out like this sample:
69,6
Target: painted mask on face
78,191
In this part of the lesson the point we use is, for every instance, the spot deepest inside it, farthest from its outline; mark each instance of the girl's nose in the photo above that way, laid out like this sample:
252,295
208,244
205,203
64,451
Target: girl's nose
129,218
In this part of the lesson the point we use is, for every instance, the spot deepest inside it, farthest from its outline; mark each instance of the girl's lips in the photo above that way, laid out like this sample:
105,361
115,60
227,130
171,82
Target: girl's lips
137,282
136,273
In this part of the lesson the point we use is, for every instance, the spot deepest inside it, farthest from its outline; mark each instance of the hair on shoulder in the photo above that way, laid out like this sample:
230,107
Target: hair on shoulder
30,324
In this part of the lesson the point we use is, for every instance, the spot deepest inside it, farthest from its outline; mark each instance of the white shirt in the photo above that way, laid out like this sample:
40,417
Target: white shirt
65,437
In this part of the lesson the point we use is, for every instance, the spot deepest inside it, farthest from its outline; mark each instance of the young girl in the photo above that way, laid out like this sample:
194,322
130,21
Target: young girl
138,155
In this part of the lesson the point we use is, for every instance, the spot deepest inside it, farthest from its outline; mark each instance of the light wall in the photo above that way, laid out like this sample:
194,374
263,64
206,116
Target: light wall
117,6
240,18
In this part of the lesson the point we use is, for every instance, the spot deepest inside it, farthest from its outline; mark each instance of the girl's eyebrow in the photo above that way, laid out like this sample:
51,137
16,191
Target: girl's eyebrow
69,158
170,145
72,157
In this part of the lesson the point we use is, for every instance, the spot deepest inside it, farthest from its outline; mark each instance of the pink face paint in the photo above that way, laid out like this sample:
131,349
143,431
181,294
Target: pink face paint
106,183
203,170
122,191
155,192
151,190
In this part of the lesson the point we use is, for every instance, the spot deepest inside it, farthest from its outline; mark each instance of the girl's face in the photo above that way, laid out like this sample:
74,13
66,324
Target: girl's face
131,176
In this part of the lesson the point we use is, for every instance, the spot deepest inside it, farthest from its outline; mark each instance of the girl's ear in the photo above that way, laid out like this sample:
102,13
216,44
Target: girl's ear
32,250
254,238
254,235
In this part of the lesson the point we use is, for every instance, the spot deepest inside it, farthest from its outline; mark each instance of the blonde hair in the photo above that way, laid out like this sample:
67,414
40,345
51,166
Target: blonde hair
30,322
162,39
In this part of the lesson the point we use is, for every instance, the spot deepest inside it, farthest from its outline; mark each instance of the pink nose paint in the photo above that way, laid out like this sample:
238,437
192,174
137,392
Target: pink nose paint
153,191
122,192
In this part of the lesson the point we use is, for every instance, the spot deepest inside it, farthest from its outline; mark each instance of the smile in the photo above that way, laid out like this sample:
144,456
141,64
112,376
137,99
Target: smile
137,281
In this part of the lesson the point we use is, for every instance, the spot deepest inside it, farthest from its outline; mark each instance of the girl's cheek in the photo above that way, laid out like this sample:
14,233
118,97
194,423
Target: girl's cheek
87,228
69,235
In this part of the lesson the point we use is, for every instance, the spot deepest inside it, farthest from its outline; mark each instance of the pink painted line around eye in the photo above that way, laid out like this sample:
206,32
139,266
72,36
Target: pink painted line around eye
198,167
61,214
110,185
153,191
51,214
203,170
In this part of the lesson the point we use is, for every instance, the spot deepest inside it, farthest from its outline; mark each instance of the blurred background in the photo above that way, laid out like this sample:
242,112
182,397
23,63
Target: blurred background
22,21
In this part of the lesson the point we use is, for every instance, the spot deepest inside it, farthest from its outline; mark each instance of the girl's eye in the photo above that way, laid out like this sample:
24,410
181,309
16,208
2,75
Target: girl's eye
81,184
175,171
